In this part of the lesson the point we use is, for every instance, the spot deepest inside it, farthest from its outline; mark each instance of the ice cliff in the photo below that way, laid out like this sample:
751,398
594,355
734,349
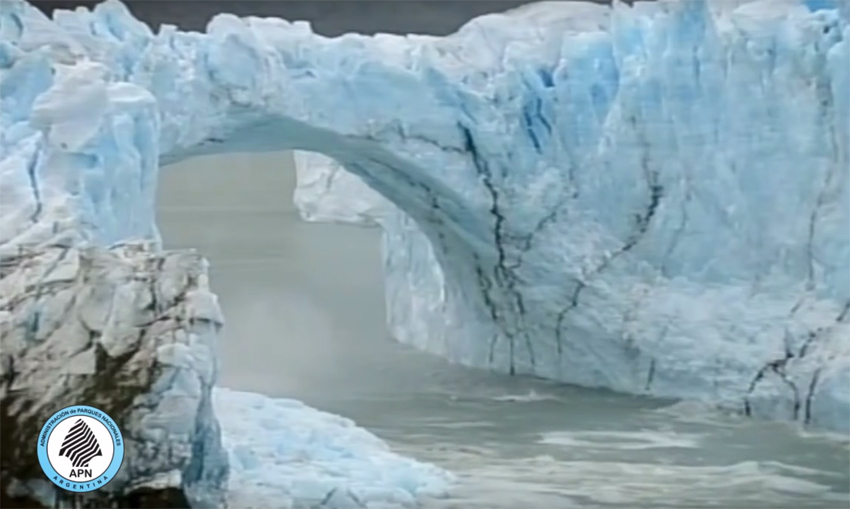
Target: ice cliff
131,332
652,199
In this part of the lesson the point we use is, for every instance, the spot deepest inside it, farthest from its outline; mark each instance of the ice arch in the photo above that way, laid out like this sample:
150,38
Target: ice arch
650,199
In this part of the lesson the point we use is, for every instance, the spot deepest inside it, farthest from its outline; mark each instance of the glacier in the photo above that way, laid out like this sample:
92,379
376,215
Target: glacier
782,385
651,199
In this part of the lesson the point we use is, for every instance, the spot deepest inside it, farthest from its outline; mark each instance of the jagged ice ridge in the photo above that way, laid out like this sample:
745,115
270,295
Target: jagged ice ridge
652,199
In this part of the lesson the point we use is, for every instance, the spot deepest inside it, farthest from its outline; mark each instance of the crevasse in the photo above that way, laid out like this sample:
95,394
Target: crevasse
652,199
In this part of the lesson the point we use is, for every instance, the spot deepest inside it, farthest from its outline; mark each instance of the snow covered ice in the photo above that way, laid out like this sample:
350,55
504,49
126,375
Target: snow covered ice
652,199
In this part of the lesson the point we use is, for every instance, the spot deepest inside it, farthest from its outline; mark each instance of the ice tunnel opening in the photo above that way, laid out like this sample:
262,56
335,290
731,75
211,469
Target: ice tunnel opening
448,300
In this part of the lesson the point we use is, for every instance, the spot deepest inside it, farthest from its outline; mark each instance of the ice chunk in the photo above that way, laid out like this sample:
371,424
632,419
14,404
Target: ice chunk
652,199
284,452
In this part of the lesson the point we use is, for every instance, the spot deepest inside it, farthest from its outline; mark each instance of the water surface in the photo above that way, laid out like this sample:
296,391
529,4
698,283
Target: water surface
305,319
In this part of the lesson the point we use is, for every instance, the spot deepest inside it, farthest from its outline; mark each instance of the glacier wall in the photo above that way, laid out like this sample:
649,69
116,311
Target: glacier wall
325,192
652,199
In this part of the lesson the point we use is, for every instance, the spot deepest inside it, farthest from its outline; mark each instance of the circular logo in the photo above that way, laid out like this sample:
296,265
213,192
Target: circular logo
80,448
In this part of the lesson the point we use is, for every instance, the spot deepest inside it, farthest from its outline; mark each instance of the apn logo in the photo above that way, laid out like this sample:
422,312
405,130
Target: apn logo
80,448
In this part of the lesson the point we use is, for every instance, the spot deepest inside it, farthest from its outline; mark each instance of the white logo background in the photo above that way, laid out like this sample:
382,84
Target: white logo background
63,465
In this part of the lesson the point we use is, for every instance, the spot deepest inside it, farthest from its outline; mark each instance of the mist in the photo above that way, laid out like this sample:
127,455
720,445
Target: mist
303,303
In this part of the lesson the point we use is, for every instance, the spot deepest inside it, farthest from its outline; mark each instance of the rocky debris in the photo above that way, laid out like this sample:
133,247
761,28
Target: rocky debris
132,332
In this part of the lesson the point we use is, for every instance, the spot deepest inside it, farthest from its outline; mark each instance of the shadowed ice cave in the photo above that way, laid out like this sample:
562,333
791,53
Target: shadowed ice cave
652,199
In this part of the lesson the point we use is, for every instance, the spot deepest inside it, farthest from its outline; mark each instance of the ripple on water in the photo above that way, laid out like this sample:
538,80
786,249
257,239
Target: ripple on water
544,481
622,440
529,397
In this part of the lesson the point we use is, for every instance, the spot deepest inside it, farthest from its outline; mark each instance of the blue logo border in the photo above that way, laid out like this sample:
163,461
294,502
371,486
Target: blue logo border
64,483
